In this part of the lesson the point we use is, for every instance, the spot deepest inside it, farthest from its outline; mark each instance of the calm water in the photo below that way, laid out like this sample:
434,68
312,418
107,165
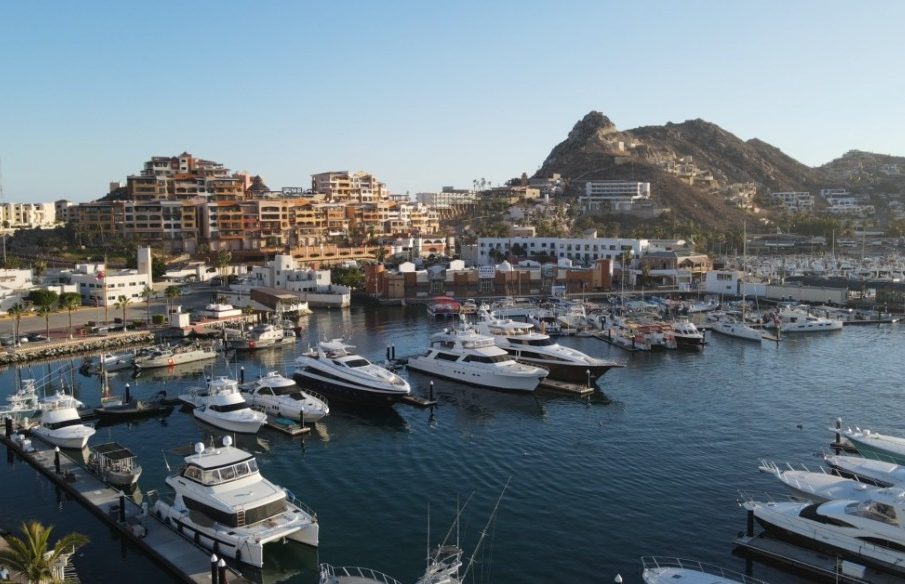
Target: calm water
655,470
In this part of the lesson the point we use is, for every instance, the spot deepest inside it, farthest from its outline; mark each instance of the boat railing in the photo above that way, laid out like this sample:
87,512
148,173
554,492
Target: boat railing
655,562
330,573
293,500
772,467
746,497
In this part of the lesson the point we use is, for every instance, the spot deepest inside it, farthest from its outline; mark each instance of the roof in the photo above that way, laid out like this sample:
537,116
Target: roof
113,451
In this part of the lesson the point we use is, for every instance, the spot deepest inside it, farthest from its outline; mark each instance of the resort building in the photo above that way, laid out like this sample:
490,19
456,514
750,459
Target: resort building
586,250
345,186
27,215
613,195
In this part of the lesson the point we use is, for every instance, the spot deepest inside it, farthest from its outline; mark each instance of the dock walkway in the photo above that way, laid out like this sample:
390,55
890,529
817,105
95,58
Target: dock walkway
181,557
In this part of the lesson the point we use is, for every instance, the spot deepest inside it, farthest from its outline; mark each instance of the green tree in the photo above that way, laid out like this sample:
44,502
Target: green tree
352,277
17,311
31,556
39,267
121,303
70,301
45,302
380,254
146,294
171,292
158,268
222,261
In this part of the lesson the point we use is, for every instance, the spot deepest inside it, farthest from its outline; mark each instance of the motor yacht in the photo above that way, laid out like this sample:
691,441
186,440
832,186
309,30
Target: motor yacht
663,570
687,335
333,369
790,319
167,357
443,307
223,503
526,345
866,470
817,485
877,446
110,362
463,355
221,404
731,326
276,395
870,532
61,424
261,336
25,402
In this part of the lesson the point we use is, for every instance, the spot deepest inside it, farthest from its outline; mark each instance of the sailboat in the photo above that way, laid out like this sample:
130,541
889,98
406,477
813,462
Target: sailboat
736,327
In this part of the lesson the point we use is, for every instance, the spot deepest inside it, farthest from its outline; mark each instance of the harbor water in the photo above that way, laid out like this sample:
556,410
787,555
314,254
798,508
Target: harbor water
651,465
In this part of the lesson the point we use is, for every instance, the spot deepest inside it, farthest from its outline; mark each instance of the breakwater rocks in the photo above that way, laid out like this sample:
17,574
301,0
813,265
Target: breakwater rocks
59,348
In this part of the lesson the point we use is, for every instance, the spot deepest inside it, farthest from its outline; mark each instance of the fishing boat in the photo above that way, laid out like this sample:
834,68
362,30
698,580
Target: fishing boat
109,362
221,404
261,336
223,503
114,464
169,357
687,335
664,570
61,424
353,575
24,403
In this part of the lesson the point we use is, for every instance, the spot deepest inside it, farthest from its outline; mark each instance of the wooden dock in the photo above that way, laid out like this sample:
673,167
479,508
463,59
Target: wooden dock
811,562
606,339
179,556
566,387
417,400
286,426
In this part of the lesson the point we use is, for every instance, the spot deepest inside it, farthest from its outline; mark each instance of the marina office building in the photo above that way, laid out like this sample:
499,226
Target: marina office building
583,250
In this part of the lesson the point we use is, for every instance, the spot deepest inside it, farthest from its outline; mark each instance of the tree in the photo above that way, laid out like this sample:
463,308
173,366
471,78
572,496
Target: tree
31,557
352,277
146,294
171,292
222,261
121,303
17,311
380,254
39,268
70,301
45,302
158,268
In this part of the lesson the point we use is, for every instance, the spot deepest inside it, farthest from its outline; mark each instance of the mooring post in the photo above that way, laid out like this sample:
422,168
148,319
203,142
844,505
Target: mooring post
431,391
839,431
393,347
388,354
214,575
122,507
56,459
221,571
8,427
242,374
749,529
128,394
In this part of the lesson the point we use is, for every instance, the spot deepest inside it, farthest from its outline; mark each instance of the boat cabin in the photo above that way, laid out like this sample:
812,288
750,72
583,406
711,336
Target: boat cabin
112,457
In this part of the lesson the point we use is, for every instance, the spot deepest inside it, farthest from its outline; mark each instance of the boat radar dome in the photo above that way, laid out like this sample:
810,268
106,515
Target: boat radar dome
199,447
227,441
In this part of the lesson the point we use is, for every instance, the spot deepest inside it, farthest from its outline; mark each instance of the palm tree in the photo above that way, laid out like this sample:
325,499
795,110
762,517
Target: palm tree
17,311
146,294
223,259
171,292
44,311
121,303
30,557
70,301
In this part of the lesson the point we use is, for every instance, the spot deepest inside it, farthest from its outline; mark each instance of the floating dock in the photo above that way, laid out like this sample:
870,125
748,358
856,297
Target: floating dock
810,562
286,426
566,387
179,556
417,400
610,341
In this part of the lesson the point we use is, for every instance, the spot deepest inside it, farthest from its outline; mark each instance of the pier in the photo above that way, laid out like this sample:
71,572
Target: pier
182,558
57,348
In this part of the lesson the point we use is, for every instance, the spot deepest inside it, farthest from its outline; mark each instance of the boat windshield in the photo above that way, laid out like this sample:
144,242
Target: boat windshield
478,344
221,475
229,407
357,363
290,390
487,359
874,510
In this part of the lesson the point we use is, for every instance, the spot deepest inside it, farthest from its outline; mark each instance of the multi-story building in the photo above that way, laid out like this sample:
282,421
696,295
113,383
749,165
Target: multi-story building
612,195
345,186
27,215
101,287
583,250
447,197
794,201
185,177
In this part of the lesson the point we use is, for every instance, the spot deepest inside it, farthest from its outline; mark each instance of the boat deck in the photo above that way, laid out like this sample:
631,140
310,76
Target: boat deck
182,558
810,562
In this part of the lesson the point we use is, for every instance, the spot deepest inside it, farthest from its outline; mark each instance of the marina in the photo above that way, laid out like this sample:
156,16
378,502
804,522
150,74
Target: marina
600,443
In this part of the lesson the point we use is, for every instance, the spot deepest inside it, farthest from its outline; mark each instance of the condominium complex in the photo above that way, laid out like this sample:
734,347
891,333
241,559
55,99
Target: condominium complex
27,215
345,186
613,195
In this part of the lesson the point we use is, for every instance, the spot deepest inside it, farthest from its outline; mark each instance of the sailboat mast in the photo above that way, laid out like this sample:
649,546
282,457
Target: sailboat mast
484,531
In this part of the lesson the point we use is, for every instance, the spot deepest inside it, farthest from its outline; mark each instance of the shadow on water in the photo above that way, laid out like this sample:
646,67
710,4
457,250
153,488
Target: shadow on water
285,562
483,402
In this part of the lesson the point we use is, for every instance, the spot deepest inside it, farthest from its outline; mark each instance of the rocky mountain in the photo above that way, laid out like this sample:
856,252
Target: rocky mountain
859,168
693,166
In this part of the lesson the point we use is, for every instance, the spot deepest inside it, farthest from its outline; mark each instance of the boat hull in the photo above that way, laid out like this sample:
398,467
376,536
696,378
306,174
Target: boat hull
176,359
523,384
70,440
691,342
869,448
345,392
239,426
575,373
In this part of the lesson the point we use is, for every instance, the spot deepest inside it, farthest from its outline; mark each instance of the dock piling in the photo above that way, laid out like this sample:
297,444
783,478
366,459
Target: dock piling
242,374
393,349
838,431
127,394
122,507
8,427
389,358
221,571
749,528
56,459
214,573
431,391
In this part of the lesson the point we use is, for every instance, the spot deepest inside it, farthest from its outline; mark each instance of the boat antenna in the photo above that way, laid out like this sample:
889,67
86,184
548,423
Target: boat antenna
165,461
484,531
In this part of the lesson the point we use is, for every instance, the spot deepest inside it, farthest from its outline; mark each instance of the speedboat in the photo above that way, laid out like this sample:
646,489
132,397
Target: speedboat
114,464
817,485
869,532
261,336
443,307
164,357
223,503
662,570
528,346
222,405
875,445
866,470
331,368
466,356
279,396
733,327
791,319
110,362
687,335
60,422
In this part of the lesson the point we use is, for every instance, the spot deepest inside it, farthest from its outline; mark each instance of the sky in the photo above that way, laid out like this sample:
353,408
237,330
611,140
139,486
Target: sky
425,94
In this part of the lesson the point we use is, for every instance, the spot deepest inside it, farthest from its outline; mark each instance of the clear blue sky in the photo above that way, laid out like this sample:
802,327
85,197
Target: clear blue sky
423,93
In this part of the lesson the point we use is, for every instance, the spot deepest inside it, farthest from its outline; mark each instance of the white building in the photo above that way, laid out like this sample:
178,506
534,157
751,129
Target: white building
795,201
284,273
580,250
612,195
447,197
27,215
101,287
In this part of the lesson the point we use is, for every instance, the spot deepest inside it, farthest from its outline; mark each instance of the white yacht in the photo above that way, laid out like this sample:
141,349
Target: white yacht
662,570
526,345
817,485
687,335
111,362
866,470
222,405
222,502
734,327
24,402
870,532
466,356
60,422
261,336
331,368
276,395
791,319
165,357
875,445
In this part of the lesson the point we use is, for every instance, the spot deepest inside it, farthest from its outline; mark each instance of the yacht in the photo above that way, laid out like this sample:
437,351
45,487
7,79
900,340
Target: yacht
24,402
687,335
875,445
662,570
60,422
528,346
866,470
334,370
466,356
276,395
261,336
110,362
166,357
223,503
870,531
222,405
817,485
731,326
443,307
353,575
791,319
